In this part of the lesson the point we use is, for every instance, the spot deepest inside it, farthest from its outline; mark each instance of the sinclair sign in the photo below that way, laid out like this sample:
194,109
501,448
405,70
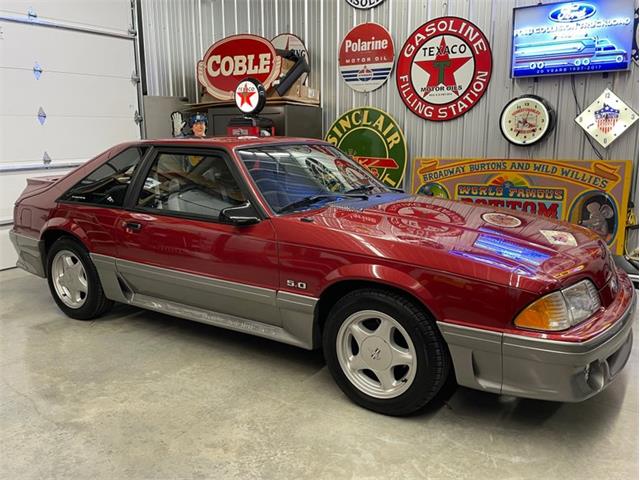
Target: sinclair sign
374,139
233,59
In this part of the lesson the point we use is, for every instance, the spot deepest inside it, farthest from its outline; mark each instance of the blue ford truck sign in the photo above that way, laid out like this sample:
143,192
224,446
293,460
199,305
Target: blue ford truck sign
572,37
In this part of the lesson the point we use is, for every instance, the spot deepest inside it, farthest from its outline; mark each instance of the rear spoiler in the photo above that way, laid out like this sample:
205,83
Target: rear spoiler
46,180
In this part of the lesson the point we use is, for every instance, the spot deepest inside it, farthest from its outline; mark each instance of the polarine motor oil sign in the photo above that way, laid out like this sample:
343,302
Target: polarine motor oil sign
590,193
366,57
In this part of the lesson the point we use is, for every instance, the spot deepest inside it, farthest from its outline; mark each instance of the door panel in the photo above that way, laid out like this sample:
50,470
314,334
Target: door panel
173,247
217,267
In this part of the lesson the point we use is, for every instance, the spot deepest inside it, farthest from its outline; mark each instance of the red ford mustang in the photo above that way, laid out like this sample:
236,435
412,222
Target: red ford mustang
291,240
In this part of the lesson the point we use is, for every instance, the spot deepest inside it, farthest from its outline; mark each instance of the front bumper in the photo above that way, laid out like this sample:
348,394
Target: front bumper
29,253
532,367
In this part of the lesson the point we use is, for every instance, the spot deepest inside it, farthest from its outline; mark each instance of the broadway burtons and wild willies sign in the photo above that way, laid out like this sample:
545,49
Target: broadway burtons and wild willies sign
590,193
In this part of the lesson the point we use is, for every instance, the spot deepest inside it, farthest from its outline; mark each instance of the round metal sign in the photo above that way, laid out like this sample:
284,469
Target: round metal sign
366,57
444,68
364,4
289,41
250,96
374,139
235,58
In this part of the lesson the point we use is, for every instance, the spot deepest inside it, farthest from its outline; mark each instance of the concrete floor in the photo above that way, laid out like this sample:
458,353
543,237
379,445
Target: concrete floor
140,395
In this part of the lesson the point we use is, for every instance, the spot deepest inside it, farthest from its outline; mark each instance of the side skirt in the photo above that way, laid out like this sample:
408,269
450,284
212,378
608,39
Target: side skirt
222,320
296,311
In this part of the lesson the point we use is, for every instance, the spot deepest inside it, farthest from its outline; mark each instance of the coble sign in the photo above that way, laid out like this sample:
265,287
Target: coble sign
233,59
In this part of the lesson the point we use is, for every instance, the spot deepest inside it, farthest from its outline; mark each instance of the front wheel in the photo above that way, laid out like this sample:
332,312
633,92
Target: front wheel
74,282
384,352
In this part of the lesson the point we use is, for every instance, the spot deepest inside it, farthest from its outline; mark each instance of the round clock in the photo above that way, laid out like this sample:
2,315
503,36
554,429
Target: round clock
526,120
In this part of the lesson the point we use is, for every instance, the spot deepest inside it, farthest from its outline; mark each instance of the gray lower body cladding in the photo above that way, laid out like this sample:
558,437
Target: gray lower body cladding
281,316
536,368
29,253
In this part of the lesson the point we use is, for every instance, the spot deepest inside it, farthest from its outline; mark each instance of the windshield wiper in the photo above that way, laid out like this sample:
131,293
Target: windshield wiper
306,201
360,189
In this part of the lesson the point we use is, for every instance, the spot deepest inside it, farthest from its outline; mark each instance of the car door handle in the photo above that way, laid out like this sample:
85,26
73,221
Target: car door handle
133,226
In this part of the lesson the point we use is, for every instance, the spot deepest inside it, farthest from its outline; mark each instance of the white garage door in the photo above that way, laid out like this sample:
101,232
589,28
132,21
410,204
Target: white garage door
66,90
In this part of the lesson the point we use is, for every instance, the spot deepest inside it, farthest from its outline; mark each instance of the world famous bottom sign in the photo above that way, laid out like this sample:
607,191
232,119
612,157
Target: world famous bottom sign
590,193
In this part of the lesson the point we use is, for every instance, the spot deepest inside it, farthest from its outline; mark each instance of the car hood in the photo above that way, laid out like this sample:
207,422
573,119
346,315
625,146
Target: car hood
458,237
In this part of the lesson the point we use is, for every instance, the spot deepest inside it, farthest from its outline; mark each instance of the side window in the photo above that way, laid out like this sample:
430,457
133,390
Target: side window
107,184
190,184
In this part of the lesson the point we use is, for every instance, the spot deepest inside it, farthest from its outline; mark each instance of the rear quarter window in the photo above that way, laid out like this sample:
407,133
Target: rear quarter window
107,185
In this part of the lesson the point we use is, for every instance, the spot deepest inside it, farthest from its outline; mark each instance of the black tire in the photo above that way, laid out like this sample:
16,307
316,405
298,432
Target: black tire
95,303
432,364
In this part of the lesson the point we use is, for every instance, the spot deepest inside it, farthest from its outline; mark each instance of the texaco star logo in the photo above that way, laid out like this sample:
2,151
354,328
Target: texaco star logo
246,96
444,68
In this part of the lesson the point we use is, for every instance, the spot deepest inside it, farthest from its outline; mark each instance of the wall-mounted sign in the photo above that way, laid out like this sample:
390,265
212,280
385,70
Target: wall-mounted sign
374,139
527,120
444,68
572,37
250,96
288,41
364,4
235,58
591,193
607,118
366,57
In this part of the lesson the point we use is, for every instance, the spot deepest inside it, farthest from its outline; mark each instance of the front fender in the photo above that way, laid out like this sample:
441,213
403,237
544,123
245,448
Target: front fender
381,274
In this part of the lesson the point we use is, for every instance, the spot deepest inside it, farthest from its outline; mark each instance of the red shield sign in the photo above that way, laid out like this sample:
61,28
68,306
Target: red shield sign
235,58
444,68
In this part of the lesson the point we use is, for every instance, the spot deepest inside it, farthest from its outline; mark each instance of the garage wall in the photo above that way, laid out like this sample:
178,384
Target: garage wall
177,33
84,89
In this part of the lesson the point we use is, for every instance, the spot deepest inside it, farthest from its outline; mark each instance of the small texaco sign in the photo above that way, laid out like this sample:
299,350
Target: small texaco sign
250,96
366,57
444,68
607,118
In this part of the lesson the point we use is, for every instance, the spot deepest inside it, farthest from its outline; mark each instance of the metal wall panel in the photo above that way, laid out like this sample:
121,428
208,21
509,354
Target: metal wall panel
178,32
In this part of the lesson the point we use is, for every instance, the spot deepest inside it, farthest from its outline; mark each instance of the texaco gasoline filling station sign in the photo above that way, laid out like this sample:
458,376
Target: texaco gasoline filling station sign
444,68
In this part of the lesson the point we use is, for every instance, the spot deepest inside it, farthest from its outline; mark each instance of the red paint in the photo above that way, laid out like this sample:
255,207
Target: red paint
426,246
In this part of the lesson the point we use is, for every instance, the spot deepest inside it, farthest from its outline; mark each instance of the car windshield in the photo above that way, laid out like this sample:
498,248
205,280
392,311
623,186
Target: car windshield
300,176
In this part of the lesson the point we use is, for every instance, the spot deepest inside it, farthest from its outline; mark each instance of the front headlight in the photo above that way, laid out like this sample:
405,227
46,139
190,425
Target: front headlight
561,310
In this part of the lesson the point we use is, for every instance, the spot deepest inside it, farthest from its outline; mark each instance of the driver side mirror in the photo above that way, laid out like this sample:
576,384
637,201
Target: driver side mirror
244,214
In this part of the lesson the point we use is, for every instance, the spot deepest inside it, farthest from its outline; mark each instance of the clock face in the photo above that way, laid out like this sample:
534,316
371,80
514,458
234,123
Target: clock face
526,120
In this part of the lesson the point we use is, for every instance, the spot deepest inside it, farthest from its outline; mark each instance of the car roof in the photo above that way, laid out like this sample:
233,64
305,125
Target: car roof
229,142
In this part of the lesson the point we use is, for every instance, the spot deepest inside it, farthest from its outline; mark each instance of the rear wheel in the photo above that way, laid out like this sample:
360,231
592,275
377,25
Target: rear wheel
384,352
74,282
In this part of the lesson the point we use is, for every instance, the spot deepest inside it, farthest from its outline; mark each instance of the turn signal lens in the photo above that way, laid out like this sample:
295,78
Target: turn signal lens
561,310
547,313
